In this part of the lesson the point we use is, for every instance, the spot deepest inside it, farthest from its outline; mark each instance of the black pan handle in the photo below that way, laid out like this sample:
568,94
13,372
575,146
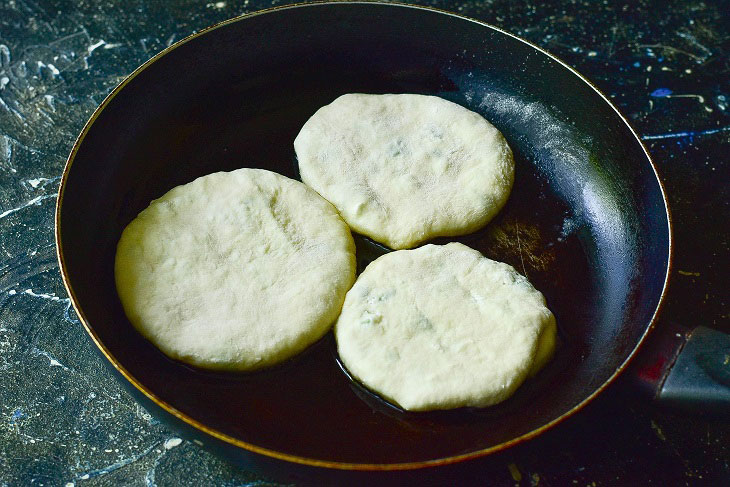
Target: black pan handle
686,369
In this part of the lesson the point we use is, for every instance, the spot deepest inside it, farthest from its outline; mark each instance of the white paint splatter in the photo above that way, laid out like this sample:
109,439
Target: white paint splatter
95,46
4,55
112,45
4,82
50,67
12,110
7,151
699,98
149,478
53,361
50,296
35,201
22,69
171,443
49,102
41,182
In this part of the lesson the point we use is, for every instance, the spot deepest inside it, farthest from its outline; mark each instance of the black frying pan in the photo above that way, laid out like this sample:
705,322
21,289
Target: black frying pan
587,222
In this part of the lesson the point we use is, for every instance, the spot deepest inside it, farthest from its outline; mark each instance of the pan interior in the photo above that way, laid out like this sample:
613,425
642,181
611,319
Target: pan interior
585,222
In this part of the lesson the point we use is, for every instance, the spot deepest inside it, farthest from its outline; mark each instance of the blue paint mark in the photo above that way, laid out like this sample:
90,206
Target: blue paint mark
17,414
691,135
637,64
661,92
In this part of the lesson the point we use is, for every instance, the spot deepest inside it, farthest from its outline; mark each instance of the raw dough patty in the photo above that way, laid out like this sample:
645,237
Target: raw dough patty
235,271
442,327
406,168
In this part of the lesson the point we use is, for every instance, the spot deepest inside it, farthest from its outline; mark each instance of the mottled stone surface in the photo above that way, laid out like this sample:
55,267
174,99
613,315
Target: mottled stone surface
65,421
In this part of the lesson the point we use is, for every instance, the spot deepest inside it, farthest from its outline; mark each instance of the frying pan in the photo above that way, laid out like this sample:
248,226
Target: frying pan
587,222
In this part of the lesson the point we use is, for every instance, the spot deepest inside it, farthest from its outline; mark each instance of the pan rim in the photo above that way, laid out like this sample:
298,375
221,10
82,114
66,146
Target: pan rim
314,462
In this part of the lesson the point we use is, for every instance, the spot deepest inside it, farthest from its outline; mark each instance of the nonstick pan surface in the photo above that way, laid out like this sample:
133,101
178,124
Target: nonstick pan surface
586,221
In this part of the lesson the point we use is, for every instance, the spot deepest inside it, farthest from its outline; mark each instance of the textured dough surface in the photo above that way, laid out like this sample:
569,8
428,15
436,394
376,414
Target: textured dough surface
405,168
235,271
442,327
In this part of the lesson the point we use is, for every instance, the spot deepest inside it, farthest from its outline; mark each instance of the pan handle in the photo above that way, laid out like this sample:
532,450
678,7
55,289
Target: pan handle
687,369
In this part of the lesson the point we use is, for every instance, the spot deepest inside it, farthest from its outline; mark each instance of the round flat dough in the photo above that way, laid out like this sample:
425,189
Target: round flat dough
235,271
442,327
403,169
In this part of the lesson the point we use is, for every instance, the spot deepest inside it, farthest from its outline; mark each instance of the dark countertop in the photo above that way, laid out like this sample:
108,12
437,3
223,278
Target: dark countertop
65,421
